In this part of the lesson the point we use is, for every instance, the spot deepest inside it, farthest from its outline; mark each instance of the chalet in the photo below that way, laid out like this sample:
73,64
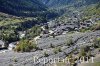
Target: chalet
45,31
44,35
51,31
58,32
72,26
36,38
22,34
52,24
93,21
65,32
43,28
12,45
64,27
2,44
89,23
82,25
86,24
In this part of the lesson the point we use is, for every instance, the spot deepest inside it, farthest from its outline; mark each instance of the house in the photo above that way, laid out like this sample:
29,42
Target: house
72,26
45,31
65,32
36,38
44,35
98,19
83,25
86,24
52,24
51,31
22,34
12,45
89,23
64,28
2,44
43,28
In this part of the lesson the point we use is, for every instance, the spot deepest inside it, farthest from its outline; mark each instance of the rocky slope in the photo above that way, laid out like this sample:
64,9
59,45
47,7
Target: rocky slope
27,59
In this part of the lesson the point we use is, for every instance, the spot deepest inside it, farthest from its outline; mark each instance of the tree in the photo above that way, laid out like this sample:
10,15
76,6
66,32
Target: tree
33,32
9,36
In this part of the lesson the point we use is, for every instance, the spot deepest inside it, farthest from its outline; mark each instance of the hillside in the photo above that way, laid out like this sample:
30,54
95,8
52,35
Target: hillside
92,10
75,3
86,8
49,32
21,7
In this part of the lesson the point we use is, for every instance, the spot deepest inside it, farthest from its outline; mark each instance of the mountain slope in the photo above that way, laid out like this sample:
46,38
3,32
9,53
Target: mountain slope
21,7
52,3
76,3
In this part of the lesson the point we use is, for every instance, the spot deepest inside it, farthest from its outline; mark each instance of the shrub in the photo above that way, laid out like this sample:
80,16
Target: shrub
96,42
69,42
71,59
97,27
45,54
10,64
56,50
86,29
59,49
51,45
25,46
15,60
89,53
82,52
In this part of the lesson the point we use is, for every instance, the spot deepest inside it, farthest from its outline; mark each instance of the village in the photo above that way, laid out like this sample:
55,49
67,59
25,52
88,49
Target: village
53,28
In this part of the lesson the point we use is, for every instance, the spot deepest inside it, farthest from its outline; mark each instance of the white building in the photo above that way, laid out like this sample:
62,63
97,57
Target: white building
12,45
22,34
2,44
